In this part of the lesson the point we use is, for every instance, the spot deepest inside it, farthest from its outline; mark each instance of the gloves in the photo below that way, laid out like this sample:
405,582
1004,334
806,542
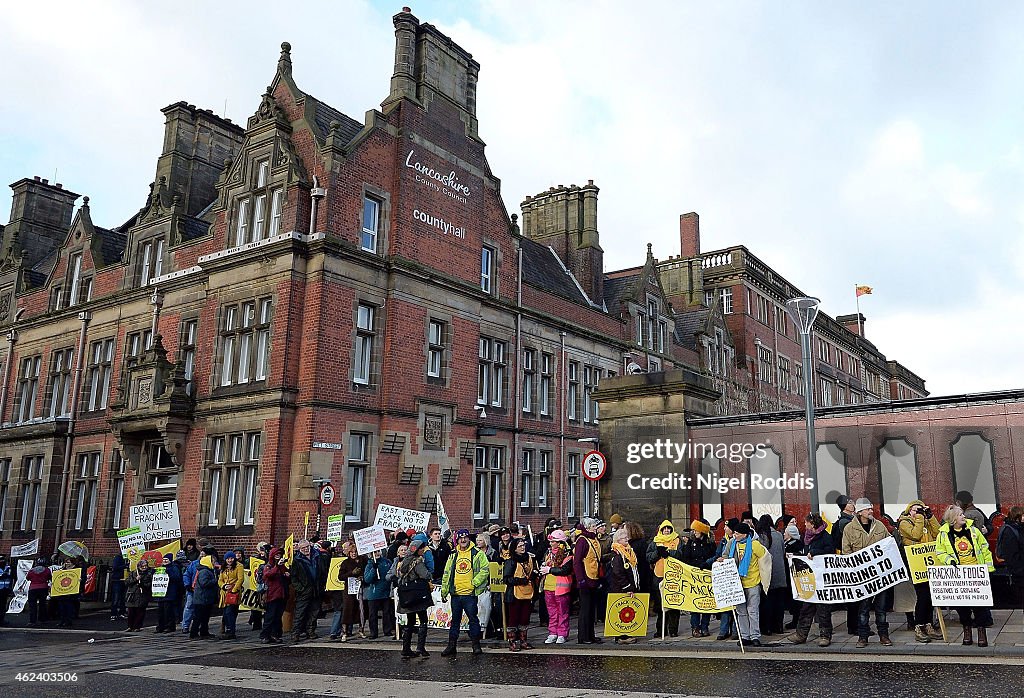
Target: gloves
544,569
662,551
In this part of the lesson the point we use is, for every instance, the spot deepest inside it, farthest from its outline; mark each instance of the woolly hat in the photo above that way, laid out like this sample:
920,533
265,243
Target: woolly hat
842,501
733,523
558,535
230,555
168,557
462,532
700,527
792,531
741,529
615,520
415,545
862,504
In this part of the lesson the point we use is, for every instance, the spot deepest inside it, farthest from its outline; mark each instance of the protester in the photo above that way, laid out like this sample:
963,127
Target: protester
665,545
859,534
794,545
624,577
485,603
586,559
205,596
192,551
817,541
139,593
773,611
557,568
346,603
520,572
697,549
754,564
168,606
377,592
1010,547
6,585
256,615
66,602
917,525
965,500
428,554
439,549
466,577
504,543
846,515
961,542
400,538
232,576
413,582
118,576
725,624
276,578
307,600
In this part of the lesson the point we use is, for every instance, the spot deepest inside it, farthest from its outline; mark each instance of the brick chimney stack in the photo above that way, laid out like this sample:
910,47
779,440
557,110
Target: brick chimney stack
689,234
850,323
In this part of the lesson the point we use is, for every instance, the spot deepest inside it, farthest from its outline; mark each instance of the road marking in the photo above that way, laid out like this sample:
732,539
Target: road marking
340,686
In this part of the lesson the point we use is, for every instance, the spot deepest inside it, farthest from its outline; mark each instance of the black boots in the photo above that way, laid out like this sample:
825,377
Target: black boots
407,642
476,646
450,650
421,641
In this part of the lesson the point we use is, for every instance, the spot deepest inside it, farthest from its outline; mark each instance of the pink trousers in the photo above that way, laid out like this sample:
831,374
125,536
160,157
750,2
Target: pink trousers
558,613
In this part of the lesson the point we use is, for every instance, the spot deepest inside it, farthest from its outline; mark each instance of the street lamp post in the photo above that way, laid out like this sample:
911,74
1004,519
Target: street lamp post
804,311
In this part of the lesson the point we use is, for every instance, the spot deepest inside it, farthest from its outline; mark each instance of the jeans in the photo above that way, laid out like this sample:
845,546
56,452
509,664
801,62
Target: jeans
469,605
700,621
117,598
272,620
230,616
186,617
558,613
725,624
585,624
37,606
387,611
878,604
336,625
748,615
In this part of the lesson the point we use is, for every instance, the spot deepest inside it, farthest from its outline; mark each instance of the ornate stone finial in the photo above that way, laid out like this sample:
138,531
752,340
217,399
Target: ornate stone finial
335,126
649,253
515,224
227,164
85,201
406,9
284,63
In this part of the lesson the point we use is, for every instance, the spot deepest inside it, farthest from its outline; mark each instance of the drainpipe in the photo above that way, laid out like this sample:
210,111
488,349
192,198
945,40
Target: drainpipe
518,382
76,388
315,194
12,338
563,373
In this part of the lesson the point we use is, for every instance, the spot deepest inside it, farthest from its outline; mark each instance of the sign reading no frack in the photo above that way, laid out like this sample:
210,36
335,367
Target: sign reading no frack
963,585
688,588
369,539
158,520
399,519
846,578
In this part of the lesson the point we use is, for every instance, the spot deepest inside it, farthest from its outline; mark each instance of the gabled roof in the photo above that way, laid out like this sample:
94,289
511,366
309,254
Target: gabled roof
112,244
618,287
324,114
543,270
689,324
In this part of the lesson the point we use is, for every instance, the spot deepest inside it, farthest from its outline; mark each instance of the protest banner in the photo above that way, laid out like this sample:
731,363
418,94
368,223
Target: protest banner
846,578
335,582
131,539
26,550
442,518
960,585
65,582
370,539
399,519
497,579
19,595
920,557
90,580
161,580
439,615
251,599
157,520
688,588
726,587
335,527
626,614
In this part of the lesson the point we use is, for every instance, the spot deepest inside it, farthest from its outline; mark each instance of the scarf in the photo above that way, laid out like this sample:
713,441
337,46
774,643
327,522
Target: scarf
744,564
668,541
628,556
812,533
556,554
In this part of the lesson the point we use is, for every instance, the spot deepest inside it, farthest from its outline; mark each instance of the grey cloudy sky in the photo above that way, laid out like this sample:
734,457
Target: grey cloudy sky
873,143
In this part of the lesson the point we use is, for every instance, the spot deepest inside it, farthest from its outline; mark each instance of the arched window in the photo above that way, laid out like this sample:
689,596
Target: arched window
897,464
710,498
974,471
765,499
831,482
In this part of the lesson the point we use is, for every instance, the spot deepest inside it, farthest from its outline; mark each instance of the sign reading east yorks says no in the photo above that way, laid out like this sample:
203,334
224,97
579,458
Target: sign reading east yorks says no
158,521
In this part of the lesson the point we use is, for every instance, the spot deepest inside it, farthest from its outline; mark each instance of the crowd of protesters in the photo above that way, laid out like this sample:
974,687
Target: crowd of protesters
550,576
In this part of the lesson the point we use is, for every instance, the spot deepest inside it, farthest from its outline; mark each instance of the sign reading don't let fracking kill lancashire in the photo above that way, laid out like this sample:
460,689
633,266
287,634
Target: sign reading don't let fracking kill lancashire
157,521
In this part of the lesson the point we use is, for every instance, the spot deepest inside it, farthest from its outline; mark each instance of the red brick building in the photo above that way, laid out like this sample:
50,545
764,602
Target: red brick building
312,298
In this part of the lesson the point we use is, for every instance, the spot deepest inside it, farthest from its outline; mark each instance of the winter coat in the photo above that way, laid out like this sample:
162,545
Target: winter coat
322,562
623,576
697,551
586,561
776,548
411,570
821,544
519,575
796,546
915,529
655,556
839,529
1010,546
945,551
118,568
39,577
639,546
303,576
188,577
175,587
375,579
275,577
440,555
233,578
856,538
205,592
481,573
140,589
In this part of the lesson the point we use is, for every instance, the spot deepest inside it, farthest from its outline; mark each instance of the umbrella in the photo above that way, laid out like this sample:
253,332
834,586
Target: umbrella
74,548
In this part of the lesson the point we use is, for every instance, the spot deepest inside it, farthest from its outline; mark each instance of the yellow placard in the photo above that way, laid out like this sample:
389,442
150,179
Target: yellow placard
335,582
497,581
133,556
174,547
687,588
920,556
306,522
289,550
627,615
251,600
828,524
65,582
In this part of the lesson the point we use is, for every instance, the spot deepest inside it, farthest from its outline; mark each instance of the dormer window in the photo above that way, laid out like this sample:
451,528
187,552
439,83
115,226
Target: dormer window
258,216
79,290
151,263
